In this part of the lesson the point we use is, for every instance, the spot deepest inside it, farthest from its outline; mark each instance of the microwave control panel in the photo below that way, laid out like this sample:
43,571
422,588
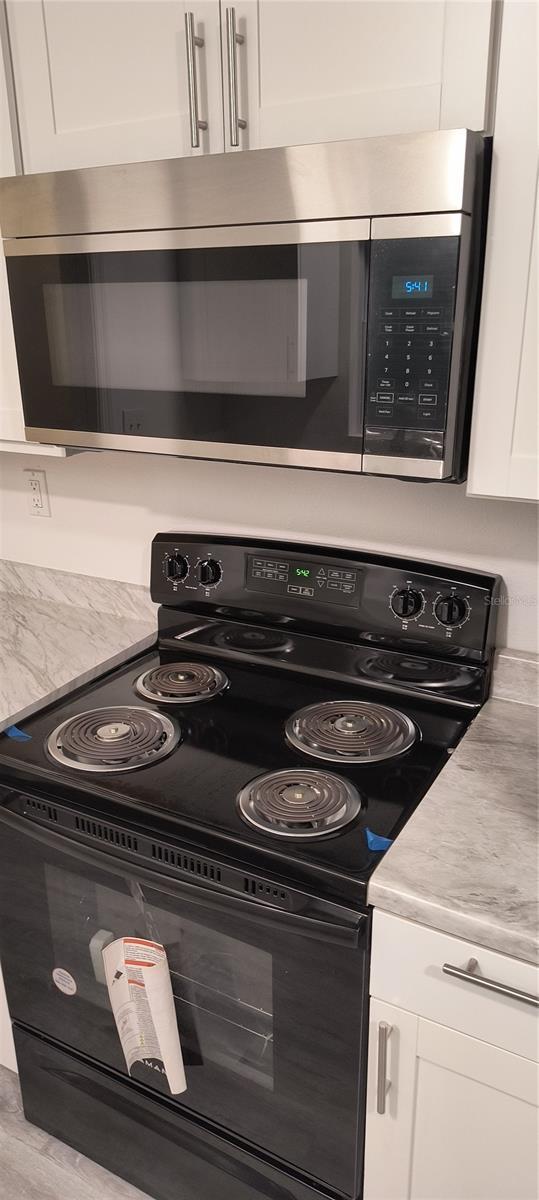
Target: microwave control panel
410,334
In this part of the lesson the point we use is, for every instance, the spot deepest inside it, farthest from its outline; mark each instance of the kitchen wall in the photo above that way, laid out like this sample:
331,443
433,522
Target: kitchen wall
107,506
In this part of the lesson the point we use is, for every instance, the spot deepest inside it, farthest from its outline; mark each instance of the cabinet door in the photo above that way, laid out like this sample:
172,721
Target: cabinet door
504,457
460,1120
106,81
11,418
317,70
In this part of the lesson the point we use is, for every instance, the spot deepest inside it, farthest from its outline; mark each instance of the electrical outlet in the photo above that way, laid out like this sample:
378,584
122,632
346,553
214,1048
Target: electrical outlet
38,494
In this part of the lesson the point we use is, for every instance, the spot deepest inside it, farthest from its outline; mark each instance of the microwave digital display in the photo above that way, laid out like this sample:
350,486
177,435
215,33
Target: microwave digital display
406,287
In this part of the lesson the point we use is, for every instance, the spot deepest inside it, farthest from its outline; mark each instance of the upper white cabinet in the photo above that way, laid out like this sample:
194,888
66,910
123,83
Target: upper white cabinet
103,81
332,69
107,81
504,452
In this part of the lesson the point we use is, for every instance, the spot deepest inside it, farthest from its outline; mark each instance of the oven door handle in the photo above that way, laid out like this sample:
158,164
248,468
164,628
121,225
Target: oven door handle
346,929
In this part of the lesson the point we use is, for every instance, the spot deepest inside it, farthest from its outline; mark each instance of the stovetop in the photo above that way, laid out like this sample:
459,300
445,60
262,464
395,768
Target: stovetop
267,740
225,743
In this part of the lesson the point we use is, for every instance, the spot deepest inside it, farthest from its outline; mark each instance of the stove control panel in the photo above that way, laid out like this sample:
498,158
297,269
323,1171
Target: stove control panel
340,593
321,582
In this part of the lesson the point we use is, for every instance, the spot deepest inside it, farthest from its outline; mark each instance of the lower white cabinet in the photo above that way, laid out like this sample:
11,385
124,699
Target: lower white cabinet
460,1119
452,1106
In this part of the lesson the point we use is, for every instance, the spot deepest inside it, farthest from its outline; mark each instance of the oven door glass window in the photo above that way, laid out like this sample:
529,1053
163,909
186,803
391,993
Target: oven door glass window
270,1020
251,345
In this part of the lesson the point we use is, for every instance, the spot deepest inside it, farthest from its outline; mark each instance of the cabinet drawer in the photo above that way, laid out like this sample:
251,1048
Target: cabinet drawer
407,970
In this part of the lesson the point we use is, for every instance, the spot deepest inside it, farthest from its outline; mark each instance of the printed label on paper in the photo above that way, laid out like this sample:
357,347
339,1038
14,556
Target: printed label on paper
140,993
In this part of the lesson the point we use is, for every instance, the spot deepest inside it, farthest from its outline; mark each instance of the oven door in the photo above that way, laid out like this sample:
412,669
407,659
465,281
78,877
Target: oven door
238,343
271,1004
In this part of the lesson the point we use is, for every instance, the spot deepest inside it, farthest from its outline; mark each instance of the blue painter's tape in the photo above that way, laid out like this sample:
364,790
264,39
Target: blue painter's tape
13,731
375,842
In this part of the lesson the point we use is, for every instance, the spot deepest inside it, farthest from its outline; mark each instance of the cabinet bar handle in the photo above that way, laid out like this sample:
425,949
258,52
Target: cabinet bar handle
490,985
383,1086
192,82
233,39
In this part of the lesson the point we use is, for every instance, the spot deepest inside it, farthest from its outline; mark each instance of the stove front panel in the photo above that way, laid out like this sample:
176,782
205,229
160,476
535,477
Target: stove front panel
270,1002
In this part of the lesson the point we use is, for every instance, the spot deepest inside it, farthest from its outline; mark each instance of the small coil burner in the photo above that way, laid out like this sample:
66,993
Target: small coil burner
113,739
299,803
350,731
424,672
253,640
181,683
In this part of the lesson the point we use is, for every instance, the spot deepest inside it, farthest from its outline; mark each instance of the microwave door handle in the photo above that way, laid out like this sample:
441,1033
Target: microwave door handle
342,932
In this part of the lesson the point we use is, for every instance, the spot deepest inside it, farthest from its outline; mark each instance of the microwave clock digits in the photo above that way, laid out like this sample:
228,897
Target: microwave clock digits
404,287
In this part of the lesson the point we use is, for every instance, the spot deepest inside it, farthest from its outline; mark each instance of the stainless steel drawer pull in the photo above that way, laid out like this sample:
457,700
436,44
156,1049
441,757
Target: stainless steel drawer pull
490,985
233,39
383,1086
192,80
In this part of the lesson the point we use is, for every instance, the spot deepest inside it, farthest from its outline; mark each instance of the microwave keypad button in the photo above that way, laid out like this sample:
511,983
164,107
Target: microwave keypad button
385,382
385,397
390,327
430,399
432,328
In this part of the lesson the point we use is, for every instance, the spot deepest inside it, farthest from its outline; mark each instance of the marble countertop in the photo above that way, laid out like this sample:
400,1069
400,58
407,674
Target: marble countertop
466,862
55,628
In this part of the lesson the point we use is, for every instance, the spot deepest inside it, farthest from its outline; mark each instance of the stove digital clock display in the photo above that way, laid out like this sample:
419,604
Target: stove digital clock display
323,582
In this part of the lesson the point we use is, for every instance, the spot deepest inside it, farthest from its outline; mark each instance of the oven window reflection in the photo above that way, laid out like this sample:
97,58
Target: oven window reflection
222,986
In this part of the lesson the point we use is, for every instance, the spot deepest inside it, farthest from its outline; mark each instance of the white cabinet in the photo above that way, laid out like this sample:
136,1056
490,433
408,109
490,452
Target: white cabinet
11,414
460,1120
452,1114
331,69
504,457
103,81
106,81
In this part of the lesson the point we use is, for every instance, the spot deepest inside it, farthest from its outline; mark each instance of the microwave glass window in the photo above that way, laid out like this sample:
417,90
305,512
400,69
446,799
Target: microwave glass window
412,287
239,336
254,345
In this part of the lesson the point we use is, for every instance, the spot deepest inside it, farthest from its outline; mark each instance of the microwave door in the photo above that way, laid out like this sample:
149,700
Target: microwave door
246,352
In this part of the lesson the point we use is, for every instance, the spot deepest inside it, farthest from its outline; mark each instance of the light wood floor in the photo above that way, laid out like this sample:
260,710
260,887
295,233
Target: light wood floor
36,1166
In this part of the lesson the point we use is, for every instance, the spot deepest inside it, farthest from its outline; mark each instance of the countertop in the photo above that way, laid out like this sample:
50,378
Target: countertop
466,862
56,627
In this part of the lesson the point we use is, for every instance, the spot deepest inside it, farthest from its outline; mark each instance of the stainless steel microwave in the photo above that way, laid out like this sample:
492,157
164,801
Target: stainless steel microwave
314,306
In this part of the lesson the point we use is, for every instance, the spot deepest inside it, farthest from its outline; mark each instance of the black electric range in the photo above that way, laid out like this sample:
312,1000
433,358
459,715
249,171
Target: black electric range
227,794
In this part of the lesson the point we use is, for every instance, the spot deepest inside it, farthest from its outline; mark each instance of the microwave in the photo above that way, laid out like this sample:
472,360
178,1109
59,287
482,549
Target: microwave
313,306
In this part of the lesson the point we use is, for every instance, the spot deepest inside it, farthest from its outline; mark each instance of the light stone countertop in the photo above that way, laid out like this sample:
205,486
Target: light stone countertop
56,627
466,862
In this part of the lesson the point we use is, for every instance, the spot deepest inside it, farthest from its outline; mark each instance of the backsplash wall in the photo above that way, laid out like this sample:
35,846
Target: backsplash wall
107,506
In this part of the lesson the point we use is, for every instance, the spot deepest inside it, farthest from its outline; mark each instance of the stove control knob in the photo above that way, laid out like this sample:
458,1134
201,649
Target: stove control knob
451,610
176,567
406,603
209,572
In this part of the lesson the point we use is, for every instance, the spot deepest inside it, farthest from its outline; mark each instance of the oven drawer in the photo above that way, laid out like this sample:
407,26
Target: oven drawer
144,1141
407,970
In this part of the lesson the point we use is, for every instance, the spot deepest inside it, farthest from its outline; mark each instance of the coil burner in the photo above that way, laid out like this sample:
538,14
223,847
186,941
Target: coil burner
350,731
252,640
423,672
113,739
181,683
299,803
